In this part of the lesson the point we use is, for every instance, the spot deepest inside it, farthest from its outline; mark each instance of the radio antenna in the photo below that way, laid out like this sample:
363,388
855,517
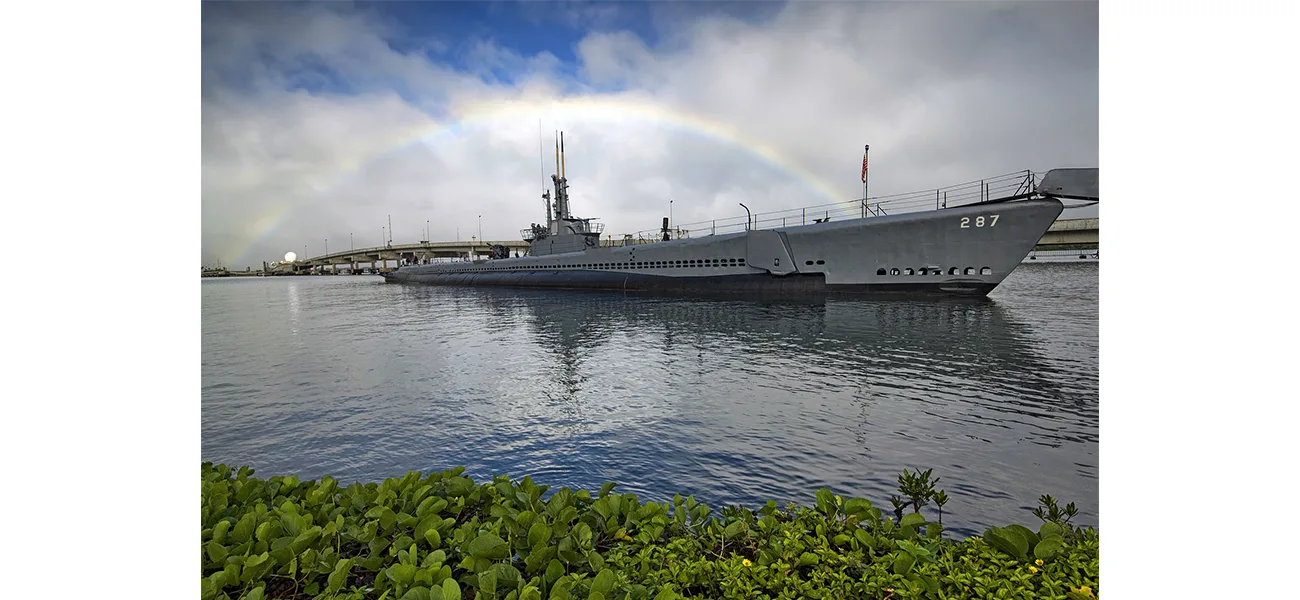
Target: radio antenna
541,156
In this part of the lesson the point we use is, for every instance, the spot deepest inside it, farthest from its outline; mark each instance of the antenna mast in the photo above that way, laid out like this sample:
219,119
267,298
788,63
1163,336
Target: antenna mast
562,195
541,171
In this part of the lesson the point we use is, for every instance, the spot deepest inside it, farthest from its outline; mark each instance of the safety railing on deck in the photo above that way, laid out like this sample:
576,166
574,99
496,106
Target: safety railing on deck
962,194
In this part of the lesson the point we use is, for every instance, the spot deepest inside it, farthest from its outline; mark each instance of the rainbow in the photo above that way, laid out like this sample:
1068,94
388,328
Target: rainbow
621,108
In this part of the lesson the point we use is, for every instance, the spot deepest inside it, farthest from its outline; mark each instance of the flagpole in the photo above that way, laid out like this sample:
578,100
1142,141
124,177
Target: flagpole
865,176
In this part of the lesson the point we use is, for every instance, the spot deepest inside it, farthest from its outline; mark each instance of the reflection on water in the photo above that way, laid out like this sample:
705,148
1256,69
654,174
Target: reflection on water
733,401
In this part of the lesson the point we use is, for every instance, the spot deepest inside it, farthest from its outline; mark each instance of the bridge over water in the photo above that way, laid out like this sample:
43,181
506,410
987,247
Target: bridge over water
1063,233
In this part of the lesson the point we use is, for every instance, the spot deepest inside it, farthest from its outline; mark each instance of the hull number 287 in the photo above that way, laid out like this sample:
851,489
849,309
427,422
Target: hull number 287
990,221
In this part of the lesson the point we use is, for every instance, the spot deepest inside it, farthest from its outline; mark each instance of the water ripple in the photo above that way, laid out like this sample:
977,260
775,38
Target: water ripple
732,401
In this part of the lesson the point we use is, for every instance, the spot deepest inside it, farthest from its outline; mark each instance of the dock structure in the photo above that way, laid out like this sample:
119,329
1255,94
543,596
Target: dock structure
1071,232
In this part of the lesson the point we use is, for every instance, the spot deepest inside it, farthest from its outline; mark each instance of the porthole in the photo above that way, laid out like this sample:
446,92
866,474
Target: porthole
986,271
923,271
821,262
969,271
880,271
952,271
807,262
909,271
893,271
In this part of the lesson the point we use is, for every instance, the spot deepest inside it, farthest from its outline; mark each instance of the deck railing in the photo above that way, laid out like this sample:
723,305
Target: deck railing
962,194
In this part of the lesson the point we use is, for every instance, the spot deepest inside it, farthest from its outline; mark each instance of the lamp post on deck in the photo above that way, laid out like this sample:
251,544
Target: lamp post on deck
748,216
480,227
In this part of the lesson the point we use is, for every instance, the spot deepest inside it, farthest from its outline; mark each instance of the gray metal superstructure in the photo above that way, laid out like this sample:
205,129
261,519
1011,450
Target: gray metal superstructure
964,250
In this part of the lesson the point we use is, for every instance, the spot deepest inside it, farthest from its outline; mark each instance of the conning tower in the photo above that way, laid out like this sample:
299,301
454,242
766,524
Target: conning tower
563,231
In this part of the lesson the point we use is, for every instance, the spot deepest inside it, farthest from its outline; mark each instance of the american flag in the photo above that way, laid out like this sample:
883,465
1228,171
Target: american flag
864,163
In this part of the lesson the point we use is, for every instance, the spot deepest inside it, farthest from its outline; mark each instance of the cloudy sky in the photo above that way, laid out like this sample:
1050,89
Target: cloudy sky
321,120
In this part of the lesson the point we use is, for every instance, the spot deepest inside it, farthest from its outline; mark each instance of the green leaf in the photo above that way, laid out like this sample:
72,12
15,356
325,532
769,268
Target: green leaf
933,530
487,584
1049,548
538,558
507,576
264,531
339,576
1008,540
603,584
488,546
256,560
403,574
243,530
450,589
458,487
1031,538
665,594
218,580
554,571
538,534
257,593
417,593
858,506
825,502
219,532
912,519
606,489
903,563
293,523
431,536
736,528
560,591
216,552
305,539
232,572
1050,529
582,535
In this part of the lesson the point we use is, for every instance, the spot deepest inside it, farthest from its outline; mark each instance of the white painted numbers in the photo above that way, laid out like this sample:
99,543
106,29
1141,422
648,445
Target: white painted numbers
980,221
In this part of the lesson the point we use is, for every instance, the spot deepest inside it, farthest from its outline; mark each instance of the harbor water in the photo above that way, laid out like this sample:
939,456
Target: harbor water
733,401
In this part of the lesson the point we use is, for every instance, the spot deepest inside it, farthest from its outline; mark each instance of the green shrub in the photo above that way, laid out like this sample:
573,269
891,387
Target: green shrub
442,537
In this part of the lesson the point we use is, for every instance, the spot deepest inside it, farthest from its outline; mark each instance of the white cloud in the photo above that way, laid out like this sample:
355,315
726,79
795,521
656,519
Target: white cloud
943,92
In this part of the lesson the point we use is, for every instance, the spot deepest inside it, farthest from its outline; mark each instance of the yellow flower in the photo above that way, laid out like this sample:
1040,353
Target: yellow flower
1039,562
747,563
1033,569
